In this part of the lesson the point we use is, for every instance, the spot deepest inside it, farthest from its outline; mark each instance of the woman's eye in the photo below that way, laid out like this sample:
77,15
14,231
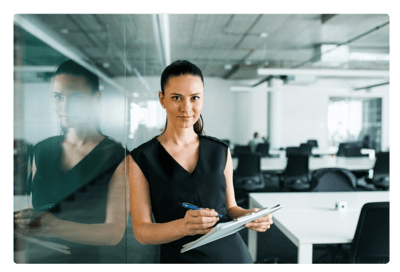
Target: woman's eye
195,98
176,97
57,97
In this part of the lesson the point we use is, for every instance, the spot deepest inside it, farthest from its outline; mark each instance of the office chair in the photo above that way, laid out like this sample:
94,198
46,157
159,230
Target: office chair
343,146
371,239
263,149
380,177
305,149
313,143
248,176
333,180
296,176
241,149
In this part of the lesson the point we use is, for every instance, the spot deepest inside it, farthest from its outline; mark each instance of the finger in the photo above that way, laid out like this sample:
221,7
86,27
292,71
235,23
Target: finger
24,213
203,226
203,212
257,225
204,219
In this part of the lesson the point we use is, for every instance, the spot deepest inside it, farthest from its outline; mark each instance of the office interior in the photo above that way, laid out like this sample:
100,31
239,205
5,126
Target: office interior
313,81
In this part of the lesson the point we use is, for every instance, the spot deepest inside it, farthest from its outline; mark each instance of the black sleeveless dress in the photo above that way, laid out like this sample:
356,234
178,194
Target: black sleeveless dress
205,187
52,186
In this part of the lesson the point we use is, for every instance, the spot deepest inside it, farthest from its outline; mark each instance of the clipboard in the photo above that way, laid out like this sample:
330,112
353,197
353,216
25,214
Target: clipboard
222,230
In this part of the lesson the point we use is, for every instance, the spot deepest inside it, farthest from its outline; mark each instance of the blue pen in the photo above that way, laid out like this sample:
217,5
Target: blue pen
193,207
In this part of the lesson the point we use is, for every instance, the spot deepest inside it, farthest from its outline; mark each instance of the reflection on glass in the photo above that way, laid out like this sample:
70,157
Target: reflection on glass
77,181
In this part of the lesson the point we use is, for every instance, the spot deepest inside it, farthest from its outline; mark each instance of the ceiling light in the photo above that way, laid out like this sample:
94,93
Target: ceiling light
106,65
247,62
64,31
131,136
323,72
369,56
227,66
263,35
135,95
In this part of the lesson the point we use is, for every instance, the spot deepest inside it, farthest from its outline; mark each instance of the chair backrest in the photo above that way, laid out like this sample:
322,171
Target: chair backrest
353,151
371,240
342,147
227,141
241,149
333,180
296,176
292,150
263,149
313,143
305,149
381,170
249,165
297,165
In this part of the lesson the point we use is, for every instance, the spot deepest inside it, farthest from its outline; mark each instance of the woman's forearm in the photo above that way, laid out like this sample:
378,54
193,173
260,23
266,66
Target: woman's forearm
159,233
88,234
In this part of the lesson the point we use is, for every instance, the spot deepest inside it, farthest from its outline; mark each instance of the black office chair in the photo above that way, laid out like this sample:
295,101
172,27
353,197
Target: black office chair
248,176
353,151
263,149
381,171
371,240
343,146
296,176
292,150
333,180
305,149
241,149
227,141
313,143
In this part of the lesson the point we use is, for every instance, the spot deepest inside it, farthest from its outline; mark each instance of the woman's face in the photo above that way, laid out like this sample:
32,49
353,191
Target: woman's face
73,100
183,100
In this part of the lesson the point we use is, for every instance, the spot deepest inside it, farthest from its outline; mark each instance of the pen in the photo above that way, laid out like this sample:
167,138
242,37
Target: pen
193,207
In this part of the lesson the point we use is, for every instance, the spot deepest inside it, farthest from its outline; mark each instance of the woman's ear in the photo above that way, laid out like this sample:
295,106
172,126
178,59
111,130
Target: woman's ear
161,98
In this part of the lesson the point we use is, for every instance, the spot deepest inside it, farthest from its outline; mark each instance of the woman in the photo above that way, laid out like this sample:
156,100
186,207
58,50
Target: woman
183,165
65,164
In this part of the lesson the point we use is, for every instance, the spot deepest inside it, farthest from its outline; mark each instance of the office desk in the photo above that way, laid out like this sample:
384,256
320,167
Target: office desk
311,218
279,164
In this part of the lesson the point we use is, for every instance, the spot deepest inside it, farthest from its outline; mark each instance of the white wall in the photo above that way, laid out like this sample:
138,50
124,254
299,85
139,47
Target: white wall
226,114
302,114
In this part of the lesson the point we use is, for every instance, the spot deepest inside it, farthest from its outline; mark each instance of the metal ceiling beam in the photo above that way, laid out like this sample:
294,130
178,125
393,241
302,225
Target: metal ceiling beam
54,40
161,34
371,86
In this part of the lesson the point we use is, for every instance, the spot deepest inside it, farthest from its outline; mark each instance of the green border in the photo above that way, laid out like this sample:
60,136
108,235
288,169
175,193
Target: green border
249,6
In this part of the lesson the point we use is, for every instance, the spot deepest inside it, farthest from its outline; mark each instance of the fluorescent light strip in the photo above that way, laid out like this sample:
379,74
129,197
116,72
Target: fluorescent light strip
324,72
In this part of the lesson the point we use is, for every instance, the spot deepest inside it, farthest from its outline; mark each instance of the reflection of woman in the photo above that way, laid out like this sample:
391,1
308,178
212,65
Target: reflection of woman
64,164
183,165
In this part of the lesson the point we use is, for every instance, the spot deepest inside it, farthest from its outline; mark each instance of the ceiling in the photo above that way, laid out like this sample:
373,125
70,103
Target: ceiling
221,45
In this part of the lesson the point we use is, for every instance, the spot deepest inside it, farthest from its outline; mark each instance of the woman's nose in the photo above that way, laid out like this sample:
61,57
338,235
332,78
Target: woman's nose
185,106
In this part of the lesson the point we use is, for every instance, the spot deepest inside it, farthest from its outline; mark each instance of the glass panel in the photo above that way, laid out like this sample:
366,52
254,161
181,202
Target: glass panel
71,138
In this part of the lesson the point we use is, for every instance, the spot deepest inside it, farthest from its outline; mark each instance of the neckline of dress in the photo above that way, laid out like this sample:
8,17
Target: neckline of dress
76,165
198,158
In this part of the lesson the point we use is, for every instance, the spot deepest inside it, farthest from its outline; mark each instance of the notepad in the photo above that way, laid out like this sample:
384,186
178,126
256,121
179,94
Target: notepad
222,230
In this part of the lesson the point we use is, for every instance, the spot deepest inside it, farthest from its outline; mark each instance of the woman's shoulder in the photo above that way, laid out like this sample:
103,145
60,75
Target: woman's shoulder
149,145
214,140
49,142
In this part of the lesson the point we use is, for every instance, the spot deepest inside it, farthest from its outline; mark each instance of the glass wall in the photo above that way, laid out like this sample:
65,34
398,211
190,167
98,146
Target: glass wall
77,113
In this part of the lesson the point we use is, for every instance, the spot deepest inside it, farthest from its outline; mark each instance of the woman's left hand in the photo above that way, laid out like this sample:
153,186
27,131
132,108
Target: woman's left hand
261,224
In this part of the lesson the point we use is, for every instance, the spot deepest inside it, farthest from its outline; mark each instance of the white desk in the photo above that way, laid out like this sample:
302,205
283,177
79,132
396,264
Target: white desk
311,218
279,164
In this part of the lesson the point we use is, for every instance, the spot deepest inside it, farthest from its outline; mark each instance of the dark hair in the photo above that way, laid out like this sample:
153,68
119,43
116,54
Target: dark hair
180,68
70,67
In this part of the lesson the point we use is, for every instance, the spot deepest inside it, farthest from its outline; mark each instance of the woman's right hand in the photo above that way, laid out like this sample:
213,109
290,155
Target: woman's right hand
199,221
